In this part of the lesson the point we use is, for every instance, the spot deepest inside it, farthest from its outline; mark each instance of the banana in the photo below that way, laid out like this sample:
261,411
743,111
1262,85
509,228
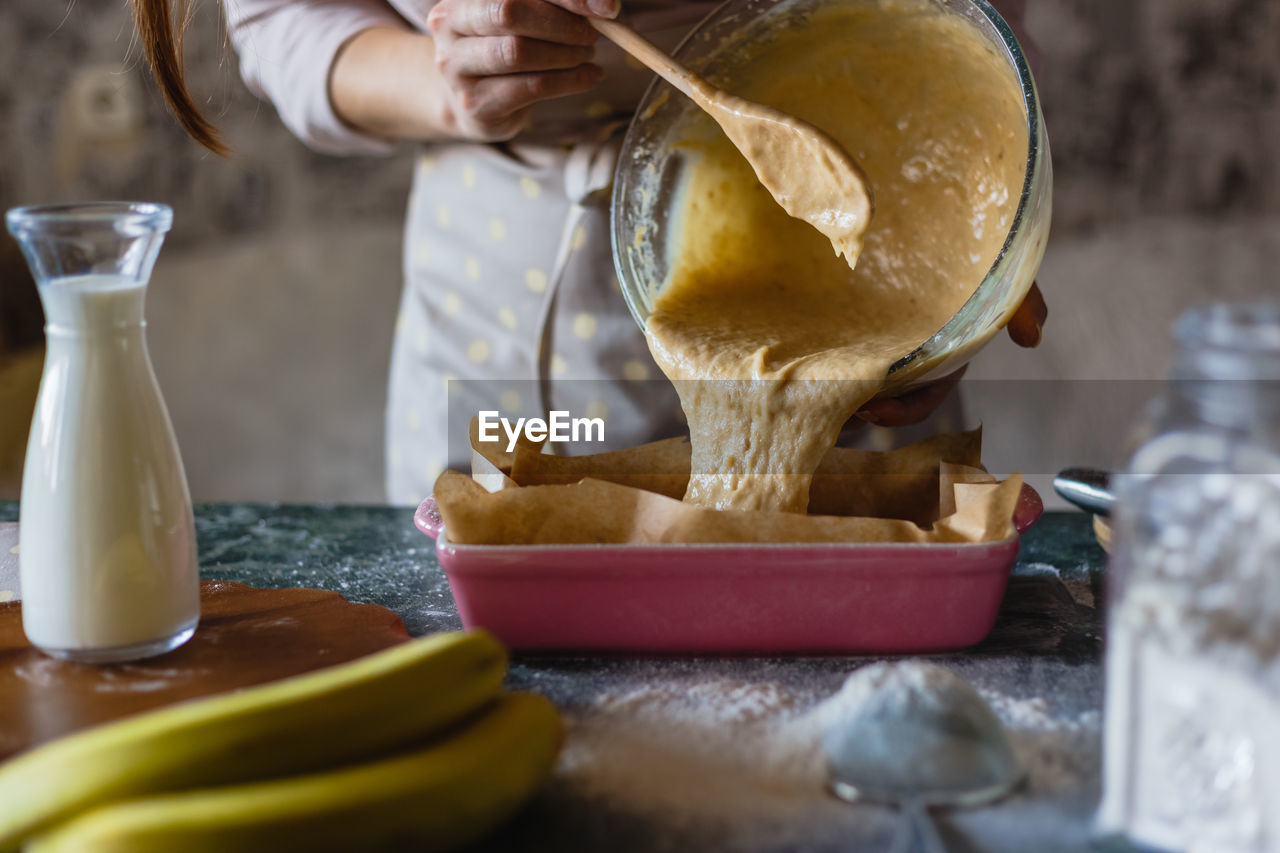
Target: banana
439,798
313,721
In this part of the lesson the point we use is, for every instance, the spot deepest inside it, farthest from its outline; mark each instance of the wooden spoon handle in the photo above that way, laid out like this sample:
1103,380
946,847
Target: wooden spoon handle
653,57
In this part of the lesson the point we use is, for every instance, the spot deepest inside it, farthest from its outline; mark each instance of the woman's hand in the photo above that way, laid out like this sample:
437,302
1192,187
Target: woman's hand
914,406
1029,319
500,57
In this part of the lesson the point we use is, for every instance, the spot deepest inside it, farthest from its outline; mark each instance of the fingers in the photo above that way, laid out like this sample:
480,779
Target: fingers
537,19
493,97
913,407
599,8
1028,321
499,55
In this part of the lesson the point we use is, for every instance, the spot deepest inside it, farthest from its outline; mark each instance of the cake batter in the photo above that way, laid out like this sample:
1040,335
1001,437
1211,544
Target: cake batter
772,340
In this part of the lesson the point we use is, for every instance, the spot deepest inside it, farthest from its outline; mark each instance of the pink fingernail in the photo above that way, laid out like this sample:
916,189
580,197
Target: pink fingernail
605,8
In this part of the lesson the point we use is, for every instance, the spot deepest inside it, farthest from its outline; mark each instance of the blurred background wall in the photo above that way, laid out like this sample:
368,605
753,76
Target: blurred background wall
274,300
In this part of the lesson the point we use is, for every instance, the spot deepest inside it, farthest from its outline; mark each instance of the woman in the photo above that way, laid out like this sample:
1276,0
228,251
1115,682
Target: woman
508,271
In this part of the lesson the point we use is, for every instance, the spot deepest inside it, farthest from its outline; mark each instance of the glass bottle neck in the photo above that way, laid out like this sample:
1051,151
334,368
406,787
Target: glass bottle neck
91,262
1228,365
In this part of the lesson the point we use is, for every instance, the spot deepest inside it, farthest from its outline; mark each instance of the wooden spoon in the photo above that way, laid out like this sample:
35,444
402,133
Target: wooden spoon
802,167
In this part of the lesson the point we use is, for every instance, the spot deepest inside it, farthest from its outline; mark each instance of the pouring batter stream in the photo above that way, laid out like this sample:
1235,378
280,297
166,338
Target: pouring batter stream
772,340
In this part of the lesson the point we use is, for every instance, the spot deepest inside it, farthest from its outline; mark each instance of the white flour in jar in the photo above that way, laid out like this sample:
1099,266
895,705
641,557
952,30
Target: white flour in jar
1193,658
1193,728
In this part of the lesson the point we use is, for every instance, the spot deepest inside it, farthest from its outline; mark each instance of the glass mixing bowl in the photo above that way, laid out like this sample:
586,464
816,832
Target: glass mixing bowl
650,165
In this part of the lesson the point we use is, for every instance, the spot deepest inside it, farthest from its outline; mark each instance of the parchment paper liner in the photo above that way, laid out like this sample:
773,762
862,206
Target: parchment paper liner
931,491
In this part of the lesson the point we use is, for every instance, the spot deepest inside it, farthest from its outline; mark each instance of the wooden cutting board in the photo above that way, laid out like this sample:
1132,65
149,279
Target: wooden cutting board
246,636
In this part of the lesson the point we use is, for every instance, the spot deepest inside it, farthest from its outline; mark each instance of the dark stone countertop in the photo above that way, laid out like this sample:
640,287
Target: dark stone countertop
1040,667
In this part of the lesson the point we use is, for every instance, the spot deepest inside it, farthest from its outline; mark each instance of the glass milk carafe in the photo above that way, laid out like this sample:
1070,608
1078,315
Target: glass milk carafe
107,540
1192,738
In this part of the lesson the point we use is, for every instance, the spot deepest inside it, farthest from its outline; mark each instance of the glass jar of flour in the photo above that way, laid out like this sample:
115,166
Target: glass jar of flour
1192,736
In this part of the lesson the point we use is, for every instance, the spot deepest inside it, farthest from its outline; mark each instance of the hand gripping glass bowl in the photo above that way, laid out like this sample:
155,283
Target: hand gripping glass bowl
650,167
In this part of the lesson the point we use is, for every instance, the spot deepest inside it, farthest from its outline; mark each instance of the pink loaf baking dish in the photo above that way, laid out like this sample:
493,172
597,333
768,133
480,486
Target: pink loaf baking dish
843,598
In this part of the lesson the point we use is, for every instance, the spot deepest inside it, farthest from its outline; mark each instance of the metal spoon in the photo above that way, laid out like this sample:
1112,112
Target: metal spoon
916,736
1087,488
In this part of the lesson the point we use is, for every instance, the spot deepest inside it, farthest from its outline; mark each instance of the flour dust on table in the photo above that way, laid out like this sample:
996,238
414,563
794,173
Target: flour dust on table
744,760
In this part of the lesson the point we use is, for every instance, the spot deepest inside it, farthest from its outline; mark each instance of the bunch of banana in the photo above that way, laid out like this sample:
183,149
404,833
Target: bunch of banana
415,746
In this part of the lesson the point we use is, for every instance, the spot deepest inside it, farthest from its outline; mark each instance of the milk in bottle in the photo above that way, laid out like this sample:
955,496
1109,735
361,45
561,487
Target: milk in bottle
107,542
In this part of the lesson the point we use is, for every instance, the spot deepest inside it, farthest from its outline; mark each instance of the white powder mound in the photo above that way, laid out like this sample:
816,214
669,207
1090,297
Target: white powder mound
744,757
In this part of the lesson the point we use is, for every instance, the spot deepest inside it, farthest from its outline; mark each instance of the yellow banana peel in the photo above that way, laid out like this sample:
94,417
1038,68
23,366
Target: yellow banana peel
306,723
439,798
